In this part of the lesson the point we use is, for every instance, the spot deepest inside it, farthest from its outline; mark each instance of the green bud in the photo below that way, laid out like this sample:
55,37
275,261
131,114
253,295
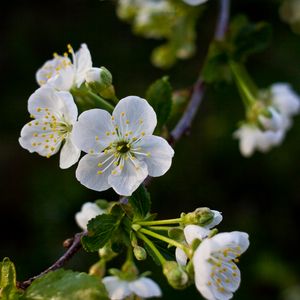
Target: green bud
163,56
100,81
139,253
175,275
103,204
98,269
201,216
107,253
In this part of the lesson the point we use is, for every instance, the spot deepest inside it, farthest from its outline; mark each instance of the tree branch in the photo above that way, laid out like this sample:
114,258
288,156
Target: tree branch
72,249
188,116
180,129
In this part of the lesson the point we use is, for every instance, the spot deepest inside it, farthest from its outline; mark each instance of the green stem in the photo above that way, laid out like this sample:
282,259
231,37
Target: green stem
245,84
160,222
152,247
102,103
164,238
166,228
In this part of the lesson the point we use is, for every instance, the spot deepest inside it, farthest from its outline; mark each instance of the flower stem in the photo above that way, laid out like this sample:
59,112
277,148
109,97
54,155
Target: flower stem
164,238
165,228
152,247
160,222
100,101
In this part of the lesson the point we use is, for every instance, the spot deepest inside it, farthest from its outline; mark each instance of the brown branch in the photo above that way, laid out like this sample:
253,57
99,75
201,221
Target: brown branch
180,129
73,248
188,116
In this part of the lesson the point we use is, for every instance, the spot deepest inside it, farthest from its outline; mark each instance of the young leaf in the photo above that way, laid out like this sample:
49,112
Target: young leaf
100,230
159,95
66,285
140,202
249,38
8,289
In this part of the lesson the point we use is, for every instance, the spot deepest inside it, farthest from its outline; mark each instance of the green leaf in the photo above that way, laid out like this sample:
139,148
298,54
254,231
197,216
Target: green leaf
8,289
100,230
249,38
66,285
159,95
140,202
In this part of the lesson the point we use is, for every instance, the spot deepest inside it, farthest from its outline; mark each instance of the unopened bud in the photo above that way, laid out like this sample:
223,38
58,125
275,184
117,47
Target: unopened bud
98,269
100,80
139,253
201,216
107,253
175,275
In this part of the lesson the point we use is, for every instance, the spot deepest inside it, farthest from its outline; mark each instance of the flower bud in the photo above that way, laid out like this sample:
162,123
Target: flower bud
175,275
98,269
100,80
107,253
201,216
139,253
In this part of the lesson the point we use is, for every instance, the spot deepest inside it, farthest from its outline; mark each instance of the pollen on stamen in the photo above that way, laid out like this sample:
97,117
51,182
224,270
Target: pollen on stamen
209,283
38,109
55,55
141,121
112,118
97,138
33,144
107,133
46,146
122,113
113,172
127,121
142,133
52,149
91,151
99,172
148,154
35,135
36,123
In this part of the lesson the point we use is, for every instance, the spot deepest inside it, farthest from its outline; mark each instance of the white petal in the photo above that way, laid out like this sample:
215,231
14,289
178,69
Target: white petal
181,257
69,154
69,108
83,62
88,211
89,168
35,139
44,98
57,73
217,219
93,132
64,80
135,114
247,136
158,154
235,238
192,232
125,181
285,99
117,289
145,288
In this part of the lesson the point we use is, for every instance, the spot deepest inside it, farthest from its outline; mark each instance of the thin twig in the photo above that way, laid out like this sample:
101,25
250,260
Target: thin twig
72,250
188,116
180,129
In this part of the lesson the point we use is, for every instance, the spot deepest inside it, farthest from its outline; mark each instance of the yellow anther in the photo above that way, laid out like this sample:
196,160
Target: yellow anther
113,132
209,283
55,140
55,55
221,289
46,109
234,267
65,54
46,146
33,144
70,49
52,148
116,154
47,117
148,154
91,151
130,132
38,109
141,121
227,280
100,164
121,167
234,274
113,172
44,128
35,135
36,123
115,163
97,138
107,133
142,133
29,124
51,136
112,118
219,280
127,122
236,260
99,172
122,114
48,155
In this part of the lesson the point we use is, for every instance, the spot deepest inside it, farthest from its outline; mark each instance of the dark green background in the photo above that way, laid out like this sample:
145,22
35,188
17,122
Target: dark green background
259,195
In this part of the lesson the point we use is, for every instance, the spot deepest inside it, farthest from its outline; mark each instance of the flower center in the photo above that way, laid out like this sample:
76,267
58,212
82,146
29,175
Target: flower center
123,147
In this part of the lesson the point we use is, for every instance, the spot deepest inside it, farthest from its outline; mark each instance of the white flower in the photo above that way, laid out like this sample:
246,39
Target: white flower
121,148
61,73
253,138
216,274
88,211
142,287
192,232
267,132
54,114
194,2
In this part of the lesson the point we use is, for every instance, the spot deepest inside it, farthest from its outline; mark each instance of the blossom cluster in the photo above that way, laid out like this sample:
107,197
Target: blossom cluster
212,257
121,148
268,119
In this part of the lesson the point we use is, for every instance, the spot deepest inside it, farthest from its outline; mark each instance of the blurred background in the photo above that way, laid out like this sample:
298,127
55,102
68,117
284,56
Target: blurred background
259,195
